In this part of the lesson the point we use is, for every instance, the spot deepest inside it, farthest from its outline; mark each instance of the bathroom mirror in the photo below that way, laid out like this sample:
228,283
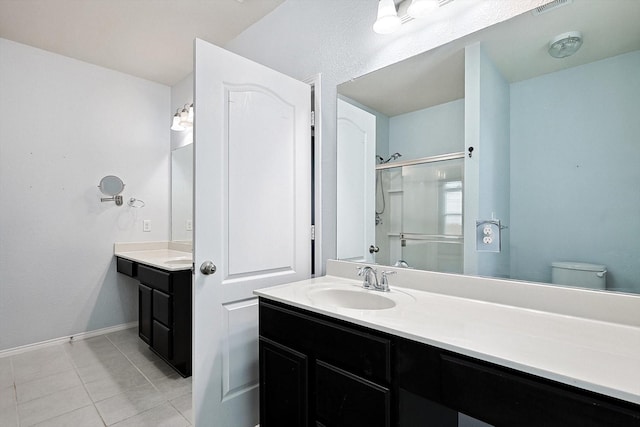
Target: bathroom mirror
182,194
564,181
111,185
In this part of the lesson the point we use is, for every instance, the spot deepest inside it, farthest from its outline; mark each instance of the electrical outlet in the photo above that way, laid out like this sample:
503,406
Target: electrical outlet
189,225
488,236
146,225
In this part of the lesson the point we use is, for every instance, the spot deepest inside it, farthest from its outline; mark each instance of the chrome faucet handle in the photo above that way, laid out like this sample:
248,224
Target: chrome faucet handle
367,271
384,282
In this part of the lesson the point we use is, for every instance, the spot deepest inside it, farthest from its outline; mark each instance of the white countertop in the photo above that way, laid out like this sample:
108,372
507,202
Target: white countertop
595,355
156,254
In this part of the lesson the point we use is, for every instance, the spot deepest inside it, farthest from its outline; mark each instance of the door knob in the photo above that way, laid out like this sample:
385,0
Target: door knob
208,268
373,249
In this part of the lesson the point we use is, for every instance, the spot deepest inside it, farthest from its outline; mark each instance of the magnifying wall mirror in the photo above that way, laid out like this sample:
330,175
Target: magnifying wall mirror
111,186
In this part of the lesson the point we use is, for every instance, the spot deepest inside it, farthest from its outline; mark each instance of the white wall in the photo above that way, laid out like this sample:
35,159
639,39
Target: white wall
65,124
334,37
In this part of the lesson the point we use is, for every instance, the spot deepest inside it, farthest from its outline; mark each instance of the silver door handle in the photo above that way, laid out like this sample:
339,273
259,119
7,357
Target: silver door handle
207,268
373,249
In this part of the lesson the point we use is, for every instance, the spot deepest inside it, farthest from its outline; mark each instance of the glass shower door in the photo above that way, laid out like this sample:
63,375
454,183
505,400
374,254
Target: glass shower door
419,207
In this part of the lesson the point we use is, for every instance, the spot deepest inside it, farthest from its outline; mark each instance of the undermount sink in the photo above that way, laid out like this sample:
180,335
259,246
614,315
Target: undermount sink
179,261
347,298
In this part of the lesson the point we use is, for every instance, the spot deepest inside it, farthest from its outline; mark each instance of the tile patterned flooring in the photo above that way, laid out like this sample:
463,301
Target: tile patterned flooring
108,380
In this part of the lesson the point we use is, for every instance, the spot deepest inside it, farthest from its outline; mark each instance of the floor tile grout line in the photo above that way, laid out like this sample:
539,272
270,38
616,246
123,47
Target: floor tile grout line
179,411
152,384
145,377
67,355
134,365
84,386
15,392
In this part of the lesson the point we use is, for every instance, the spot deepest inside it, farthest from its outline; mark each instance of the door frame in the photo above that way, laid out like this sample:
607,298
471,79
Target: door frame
315,82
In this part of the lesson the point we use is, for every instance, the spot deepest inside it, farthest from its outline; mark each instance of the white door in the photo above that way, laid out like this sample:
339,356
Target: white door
356,161
252,213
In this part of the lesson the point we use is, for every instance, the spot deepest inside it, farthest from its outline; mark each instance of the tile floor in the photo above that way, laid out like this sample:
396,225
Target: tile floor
109,380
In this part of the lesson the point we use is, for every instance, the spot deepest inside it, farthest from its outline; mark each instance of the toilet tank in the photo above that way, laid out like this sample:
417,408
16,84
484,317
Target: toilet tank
580,274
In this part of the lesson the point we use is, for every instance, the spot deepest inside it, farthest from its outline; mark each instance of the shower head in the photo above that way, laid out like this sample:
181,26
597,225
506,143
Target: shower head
394,156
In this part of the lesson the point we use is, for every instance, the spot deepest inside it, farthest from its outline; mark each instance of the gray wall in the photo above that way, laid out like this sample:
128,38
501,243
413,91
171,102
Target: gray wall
65,124
575,171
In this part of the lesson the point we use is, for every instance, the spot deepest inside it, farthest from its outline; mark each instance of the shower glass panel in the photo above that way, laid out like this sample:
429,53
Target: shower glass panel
419,215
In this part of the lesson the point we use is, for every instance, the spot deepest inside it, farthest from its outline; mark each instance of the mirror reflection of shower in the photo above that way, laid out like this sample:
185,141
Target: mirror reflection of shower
380,185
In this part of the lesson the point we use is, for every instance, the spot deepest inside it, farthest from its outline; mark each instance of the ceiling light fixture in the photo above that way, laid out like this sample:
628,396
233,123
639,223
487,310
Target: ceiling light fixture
565,44
389,19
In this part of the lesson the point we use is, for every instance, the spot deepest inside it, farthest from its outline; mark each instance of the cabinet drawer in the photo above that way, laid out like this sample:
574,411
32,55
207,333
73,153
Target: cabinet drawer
518,399
162,340
349,348
126,267
155,278
162,308
345,400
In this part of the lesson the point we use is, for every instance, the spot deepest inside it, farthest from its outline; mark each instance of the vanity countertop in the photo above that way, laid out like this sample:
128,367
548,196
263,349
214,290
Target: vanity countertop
595,355
156,254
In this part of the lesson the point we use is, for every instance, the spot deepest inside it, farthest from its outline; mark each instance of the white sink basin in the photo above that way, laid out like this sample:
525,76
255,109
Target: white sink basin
348,298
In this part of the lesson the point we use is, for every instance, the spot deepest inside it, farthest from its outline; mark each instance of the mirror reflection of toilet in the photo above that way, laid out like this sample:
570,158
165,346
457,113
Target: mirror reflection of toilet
579,274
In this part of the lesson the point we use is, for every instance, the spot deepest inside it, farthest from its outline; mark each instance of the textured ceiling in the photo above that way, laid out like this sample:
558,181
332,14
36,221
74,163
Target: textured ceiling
152,39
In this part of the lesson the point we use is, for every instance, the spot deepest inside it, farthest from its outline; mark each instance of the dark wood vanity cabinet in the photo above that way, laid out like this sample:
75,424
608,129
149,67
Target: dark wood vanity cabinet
164,311
319,371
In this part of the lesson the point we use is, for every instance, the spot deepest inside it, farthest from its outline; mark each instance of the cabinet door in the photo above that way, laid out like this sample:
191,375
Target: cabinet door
346,400
162,308
162,340
283,386
145,313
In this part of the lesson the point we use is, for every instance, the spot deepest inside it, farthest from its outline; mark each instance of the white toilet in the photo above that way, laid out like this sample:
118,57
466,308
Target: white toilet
580,274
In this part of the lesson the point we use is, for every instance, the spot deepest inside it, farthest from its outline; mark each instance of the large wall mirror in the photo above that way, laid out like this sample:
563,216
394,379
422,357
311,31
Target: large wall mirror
182,194
555,166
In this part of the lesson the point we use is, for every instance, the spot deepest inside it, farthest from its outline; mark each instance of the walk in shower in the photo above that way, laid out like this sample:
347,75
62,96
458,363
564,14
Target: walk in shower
419,207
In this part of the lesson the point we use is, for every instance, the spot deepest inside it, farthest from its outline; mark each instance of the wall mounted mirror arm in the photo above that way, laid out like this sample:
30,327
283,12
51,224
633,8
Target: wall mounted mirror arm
111,186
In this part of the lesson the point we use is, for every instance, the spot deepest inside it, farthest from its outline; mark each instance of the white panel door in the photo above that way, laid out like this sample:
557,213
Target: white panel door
252,212
356,161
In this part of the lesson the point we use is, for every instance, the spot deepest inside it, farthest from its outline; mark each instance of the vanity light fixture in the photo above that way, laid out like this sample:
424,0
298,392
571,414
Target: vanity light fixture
183,118
175,124
565,44
389,19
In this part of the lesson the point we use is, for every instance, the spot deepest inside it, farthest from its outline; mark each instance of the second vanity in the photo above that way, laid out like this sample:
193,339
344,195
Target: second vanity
164,298
333,354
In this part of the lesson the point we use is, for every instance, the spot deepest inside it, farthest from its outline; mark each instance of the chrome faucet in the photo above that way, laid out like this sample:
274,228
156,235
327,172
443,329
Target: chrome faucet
384,284
371,279
368,272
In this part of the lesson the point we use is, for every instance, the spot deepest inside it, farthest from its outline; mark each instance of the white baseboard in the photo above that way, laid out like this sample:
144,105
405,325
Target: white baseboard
75,337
